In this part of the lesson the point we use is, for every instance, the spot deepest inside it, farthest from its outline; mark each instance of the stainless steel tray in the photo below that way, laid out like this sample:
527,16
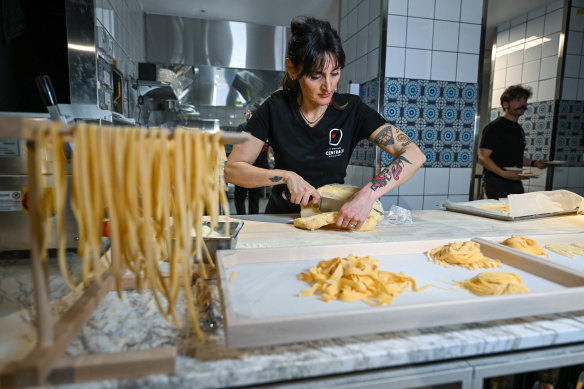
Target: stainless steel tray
492,214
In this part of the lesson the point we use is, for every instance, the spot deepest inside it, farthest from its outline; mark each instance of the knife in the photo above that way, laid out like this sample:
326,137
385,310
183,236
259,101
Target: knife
325,204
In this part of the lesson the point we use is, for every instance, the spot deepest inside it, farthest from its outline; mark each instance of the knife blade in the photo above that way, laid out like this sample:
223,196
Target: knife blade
325,204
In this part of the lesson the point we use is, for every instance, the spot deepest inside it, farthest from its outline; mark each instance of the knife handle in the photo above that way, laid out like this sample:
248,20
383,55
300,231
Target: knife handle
287,195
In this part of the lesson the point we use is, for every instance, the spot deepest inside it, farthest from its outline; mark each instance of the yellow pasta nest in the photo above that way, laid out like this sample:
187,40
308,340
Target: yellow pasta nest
356,278
524,244
504,208
491,283
464,254
566,250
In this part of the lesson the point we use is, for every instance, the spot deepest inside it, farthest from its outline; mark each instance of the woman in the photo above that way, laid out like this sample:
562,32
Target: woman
313,131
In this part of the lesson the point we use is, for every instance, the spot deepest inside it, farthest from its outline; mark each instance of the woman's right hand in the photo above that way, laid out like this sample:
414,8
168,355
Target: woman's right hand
300,190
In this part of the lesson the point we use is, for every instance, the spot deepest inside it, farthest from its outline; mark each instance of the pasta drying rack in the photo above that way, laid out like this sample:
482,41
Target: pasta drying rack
45,364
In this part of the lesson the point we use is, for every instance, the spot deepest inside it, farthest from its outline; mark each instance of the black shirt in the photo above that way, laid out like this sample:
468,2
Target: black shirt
507,140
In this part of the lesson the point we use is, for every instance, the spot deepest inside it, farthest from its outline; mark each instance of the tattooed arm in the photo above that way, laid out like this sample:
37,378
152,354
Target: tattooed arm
407,159
239,170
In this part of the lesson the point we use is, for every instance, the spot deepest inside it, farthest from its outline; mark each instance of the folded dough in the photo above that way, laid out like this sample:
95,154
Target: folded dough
312,218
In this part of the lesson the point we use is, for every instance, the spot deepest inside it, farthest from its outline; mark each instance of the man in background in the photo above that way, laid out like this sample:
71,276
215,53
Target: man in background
240,192
503,145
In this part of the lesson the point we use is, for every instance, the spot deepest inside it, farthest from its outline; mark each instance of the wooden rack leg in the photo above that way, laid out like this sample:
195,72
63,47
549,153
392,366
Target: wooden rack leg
40,277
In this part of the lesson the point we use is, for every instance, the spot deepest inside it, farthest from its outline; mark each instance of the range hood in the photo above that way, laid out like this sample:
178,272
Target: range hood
216,63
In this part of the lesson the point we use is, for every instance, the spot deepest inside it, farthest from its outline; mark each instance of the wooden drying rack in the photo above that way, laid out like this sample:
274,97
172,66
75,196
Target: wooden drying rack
45,363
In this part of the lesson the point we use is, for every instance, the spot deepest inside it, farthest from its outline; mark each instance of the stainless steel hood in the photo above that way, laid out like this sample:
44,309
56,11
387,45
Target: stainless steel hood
216,63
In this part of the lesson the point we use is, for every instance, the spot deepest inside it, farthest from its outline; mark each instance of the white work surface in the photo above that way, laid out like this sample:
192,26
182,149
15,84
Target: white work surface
135,323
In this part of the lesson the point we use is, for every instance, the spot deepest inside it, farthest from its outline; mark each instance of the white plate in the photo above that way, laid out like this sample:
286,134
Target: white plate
555,162
513,169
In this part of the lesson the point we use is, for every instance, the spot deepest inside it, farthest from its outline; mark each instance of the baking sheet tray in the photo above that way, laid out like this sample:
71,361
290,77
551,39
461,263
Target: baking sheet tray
494,214
262,306
576,263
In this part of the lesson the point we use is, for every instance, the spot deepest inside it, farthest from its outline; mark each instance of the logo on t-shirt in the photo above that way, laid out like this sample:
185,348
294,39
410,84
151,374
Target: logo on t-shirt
335,136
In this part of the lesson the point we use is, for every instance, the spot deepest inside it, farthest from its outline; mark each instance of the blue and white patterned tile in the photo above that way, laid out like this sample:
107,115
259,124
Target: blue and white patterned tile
437,115
570,134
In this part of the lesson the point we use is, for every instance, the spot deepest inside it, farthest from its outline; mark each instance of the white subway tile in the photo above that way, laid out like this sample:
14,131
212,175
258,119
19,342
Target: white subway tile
418,64
519,20
351,48
459,183
515,56
549,68
372,64
504,26
501,59
535,28
447,10
374,9
580,95
344,34
373,40
415,185
536,13
419,33
517,34
553,6
469,40
499,78
344,7
431,202
572,66
388,201
502,38
445,36
471,11
547,90
553,22
363,14
436,181
352,21
513,75
495,98
421,8
532,50
397,7
396,30
582,68
458,198
574,42
443,66
530,72
362,42
551,44
467,68
361,70
570,88
395,62
411,202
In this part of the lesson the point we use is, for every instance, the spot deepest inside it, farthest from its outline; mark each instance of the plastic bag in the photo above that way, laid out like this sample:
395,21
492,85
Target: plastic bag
397,215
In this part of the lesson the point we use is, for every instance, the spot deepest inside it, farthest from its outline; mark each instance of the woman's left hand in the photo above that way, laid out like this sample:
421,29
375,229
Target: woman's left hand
353,213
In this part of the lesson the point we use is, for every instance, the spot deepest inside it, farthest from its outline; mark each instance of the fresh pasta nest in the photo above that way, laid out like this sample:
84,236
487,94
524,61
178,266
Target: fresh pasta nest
524,244
356,278
464,254
493,283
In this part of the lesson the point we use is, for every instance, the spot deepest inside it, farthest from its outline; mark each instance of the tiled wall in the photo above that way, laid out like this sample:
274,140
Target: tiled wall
360,28
570,147
120,33
430,92
527,50
573,84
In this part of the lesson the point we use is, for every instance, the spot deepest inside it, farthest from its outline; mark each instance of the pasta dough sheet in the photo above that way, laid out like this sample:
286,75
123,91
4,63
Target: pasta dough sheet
270,289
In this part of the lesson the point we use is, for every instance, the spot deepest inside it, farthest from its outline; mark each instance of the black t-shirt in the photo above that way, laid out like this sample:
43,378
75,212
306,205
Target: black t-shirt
262,159
507,140
319,154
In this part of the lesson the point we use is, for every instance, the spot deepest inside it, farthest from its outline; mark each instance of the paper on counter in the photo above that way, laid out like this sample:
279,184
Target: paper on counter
536,203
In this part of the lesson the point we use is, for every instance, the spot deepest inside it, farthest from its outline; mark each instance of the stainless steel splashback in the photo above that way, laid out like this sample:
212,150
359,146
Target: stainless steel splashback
188,41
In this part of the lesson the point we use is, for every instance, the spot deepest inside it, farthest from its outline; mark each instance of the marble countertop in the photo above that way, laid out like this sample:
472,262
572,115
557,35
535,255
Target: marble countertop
135,323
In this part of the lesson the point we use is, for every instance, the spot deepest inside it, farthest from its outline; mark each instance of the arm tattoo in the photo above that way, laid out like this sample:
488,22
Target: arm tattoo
385,137
392,171
403,138
276,179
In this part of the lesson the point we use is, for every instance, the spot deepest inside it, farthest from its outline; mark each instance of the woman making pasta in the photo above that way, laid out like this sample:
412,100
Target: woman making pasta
313,130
